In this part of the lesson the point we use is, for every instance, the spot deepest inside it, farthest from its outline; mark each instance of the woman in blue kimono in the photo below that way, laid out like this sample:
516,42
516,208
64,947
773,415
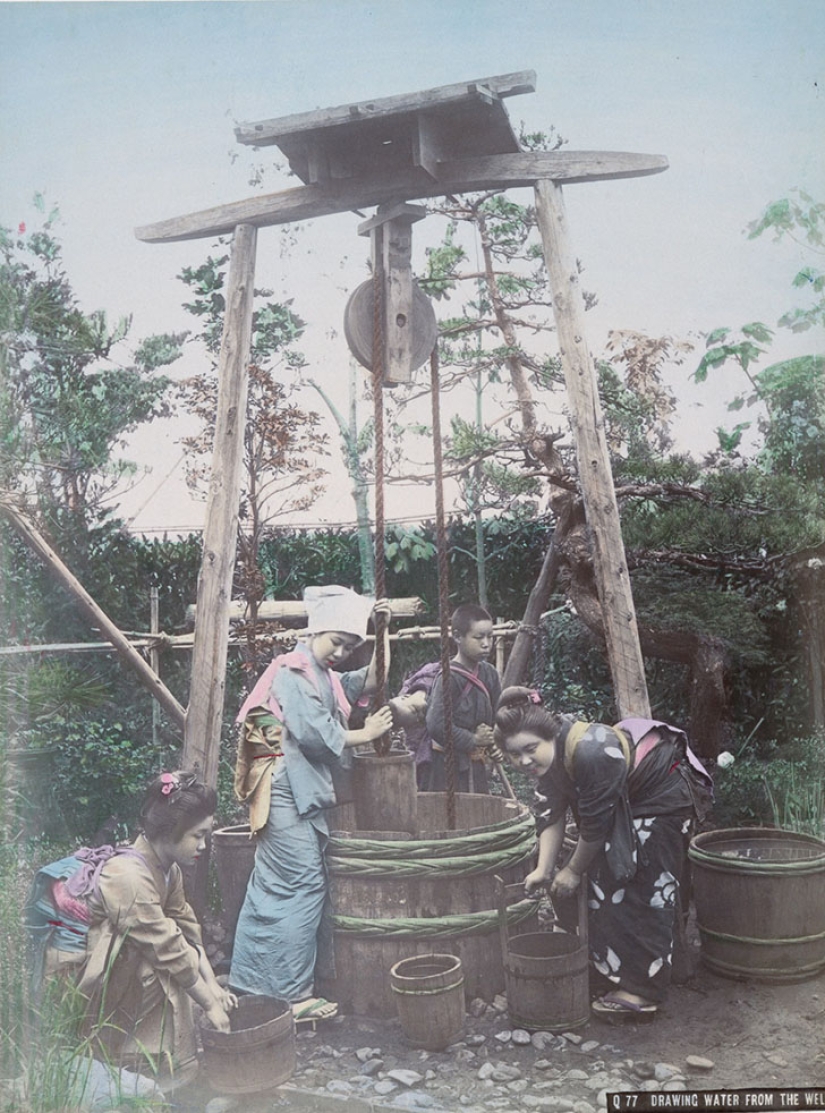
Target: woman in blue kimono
284,933
635,791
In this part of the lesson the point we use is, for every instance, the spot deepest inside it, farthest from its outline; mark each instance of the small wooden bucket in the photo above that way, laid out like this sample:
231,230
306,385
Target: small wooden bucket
429,994
546,973
233,851
258,1054
385,791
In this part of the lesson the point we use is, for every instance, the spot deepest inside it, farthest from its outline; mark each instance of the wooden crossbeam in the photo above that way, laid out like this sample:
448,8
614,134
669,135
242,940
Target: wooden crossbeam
461,176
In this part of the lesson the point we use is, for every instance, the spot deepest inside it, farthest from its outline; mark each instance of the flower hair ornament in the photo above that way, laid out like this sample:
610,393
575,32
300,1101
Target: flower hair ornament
533,696
169,783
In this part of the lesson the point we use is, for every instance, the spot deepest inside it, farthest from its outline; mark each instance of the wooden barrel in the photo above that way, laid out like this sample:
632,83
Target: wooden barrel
760,902
233,852
429,996
385,792
258,1053
396,896
547,981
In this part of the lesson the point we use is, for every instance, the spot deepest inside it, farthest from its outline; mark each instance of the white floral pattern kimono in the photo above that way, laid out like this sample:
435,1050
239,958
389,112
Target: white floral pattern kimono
631,924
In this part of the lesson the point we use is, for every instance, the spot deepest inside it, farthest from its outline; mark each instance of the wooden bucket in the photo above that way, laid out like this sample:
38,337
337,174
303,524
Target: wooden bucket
546,973
385,792
396,896
233,852
429,994
760,902
258,1054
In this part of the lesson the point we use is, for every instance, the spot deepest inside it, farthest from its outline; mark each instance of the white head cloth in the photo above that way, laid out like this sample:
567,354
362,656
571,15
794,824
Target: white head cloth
337,608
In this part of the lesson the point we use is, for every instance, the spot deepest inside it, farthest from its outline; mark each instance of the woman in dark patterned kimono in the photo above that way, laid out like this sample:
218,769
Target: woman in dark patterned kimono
635,791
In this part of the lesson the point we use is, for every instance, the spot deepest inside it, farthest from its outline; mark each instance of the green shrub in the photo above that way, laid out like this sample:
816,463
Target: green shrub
782,786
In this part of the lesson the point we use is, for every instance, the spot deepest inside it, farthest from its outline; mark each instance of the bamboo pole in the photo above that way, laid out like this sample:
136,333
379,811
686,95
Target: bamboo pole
154,658
208,678
97,617
600,505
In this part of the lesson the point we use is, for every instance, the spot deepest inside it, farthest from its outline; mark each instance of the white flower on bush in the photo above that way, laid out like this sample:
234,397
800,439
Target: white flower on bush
725,759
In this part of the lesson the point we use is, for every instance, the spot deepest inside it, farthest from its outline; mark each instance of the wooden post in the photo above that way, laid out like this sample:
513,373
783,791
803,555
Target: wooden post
600,505
390,232
208,681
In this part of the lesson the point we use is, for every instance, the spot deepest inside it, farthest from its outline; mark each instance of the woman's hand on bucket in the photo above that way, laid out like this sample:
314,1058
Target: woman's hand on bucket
535,880
218,1017
227,1000
565,882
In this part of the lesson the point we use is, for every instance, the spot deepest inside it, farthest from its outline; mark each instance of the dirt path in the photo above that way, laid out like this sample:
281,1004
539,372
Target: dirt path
751,1034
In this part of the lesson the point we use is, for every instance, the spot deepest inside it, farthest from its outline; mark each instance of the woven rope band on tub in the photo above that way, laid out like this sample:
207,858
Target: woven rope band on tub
470,923
376,850
428,992
771,942
402,869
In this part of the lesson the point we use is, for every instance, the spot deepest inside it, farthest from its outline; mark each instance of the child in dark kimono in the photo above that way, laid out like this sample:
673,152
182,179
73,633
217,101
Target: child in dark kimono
476,688
635,791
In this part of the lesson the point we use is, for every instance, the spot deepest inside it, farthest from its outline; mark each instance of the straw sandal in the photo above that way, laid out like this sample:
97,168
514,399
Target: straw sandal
613,1006
314,1009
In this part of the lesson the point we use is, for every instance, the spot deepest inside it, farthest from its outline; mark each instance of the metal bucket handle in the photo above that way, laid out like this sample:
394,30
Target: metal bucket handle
517,888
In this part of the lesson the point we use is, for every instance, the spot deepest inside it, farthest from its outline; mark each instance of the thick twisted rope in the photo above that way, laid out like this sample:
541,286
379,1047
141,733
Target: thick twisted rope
381,745
437,927
433,868
510,834
443,591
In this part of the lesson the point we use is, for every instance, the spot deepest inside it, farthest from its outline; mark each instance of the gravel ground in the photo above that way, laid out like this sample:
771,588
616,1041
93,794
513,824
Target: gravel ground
713,1034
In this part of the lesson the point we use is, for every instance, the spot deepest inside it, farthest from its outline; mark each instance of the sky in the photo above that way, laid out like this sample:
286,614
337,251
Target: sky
123,114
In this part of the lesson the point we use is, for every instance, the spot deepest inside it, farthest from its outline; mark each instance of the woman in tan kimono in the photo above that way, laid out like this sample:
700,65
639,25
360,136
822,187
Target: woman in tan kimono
145,964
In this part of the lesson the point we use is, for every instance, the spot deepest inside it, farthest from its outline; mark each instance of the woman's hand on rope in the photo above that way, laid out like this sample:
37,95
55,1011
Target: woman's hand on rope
377,724
382,607
565,883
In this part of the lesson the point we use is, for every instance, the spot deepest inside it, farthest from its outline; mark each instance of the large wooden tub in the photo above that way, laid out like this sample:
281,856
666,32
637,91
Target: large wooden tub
396,896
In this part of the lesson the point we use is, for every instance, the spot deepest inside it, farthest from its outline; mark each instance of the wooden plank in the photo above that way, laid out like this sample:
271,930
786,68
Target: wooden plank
462,176
263,133
208,679
96,616
294,612
601,508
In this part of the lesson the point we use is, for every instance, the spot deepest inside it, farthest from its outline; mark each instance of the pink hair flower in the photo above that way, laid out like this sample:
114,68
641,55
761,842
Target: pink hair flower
168,783
534,696
21,228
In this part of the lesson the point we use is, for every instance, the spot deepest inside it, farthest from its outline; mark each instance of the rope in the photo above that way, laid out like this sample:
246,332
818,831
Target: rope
373,849
437,927
443,592
381,745
399,868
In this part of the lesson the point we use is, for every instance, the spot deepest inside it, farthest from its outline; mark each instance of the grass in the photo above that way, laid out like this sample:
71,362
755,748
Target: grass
781,789
44,1066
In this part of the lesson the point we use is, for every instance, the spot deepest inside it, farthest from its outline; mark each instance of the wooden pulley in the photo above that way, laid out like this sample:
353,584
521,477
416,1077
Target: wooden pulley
414,333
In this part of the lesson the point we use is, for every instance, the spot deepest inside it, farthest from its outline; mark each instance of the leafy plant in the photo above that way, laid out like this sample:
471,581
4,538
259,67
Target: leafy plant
774,786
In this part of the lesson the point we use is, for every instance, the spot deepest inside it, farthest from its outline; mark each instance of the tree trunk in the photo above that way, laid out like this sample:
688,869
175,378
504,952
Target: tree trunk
515,670
605,536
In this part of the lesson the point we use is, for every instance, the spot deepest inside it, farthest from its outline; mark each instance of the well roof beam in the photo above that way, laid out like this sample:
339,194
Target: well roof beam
466,175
